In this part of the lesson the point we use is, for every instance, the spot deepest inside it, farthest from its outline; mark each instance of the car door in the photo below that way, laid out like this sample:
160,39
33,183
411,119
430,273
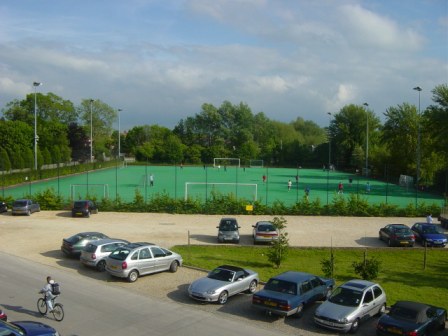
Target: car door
379,297
306,291
146,263
417,231
239,283
161,260
368,306
319,290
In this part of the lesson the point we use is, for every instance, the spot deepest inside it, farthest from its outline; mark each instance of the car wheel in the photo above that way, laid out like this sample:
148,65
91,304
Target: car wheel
173,267
88,214
28,213
442,323
355,326
101,266
379,237
222,299
252,286
389,243
299,310
133,276
382,310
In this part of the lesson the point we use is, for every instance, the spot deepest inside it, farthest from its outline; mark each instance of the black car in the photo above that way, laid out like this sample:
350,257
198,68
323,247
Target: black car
84,208
74,245
411,318
397,235
3,207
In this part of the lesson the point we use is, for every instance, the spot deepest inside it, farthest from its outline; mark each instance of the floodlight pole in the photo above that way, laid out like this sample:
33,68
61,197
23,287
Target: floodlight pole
329,154
119,139
419,89
367,139
91,131
35,84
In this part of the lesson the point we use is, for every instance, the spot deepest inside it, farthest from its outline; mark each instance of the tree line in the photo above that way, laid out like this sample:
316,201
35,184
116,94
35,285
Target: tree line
409,141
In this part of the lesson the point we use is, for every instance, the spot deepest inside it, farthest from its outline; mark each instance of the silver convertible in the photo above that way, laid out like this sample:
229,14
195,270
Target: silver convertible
222,282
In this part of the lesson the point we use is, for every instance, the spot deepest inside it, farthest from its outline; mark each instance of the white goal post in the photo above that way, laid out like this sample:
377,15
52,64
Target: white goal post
82,190
218,162
406,181
252,186
256,163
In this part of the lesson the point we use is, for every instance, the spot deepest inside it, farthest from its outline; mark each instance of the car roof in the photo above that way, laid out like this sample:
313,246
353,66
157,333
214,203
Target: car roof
425,224
231,268
107,241
265,222
358,284
132,246
400,226
293,276
90,233
419,308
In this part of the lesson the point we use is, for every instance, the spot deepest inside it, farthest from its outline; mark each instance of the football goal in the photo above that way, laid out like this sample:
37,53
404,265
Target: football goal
220,162
256,163
406,181
80,191
247,191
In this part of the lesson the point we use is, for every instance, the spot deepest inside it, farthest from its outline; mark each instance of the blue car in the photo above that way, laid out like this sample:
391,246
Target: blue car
26,328
411,318
288,293
429,234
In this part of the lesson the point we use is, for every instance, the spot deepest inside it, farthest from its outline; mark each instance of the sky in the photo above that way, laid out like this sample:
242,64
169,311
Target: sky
159,61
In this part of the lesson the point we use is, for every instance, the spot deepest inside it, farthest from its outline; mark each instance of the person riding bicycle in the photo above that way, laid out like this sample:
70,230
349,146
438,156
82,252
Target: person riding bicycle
47,290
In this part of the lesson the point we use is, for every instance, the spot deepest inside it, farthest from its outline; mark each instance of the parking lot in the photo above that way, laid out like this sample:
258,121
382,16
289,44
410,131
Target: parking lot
38,237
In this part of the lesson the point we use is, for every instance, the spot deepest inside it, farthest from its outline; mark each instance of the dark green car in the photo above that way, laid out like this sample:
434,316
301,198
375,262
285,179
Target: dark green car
74,245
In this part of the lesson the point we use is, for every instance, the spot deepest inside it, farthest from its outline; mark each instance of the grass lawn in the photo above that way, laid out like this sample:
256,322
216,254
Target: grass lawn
401,275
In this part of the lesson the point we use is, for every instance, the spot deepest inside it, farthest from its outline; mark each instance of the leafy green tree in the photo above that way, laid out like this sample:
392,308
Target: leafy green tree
5,163
278,251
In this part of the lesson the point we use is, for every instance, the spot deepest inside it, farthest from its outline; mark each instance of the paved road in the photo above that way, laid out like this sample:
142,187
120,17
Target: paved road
94,309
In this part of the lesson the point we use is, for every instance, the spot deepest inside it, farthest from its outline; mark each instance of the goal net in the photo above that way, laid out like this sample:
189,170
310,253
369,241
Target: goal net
247,191
97,191
406,181
256,163
221,162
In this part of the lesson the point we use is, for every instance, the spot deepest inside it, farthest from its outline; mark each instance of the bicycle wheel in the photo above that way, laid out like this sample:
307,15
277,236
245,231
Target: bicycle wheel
58,312
42,306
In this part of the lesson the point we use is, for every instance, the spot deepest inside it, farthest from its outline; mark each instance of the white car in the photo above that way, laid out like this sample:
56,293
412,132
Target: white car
349,304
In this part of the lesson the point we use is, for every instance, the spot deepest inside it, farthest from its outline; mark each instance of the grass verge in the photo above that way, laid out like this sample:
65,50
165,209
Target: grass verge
402,273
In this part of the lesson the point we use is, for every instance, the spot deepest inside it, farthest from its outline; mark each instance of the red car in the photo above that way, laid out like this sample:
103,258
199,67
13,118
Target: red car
3,316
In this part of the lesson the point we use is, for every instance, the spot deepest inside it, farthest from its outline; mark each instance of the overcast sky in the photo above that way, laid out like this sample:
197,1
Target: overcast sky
160,60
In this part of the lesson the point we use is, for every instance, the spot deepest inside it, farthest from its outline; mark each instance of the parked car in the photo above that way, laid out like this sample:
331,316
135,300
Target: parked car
95,253
264,232
136,259
3,207
26,328
397,235
289,292
84,208
228,230
73,245
24,207
3,316
411,318
223,282
349,304
429,234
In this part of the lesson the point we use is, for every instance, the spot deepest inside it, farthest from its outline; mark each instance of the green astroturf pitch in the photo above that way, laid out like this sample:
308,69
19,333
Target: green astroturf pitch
200,182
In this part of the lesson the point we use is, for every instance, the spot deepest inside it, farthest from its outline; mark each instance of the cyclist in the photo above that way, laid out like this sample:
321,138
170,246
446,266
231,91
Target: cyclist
47,290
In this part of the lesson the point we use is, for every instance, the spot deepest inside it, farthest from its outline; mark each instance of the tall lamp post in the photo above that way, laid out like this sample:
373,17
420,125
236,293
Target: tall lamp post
119,138
367,139
329,155
35,84
91,131
419,89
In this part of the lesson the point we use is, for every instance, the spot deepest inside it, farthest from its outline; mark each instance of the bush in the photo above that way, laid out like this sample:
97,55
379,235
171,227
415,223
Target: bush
279,248
368,269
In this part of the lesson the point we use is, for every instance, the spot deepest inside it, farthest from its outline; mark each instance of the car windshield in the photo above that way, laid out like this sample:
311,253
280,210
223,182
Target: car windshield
74,239
346,297
20,203
221,274
119,254
430,229
401,230
281,286
266,228
6,327
228,226
90,248
79,204
403,313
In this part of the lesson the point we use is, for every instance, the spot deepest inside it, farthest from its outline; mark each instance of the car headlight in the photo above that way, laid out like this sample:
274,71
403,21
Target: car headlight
429,239
343,320
211,291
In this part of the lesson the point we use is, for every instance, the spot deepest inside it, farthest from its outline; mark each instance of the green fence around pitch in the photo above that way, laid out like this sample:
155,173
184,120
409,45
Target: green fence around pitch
200,182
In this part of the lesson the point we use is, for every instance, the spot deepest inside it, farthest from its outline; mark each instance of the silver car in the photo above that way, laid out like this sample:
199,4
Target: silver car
222,282
95,253
349,304
24,207
264,232
228,230
133,260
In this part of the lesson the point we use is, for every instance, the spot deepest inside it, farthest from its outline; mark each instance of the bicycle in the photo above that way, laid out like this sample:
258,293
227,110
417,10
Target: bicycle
58,310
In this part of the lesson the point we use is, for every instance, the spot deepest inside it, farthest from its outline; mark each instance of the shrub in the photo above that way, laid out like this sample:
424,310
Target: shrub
367,269
278,251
